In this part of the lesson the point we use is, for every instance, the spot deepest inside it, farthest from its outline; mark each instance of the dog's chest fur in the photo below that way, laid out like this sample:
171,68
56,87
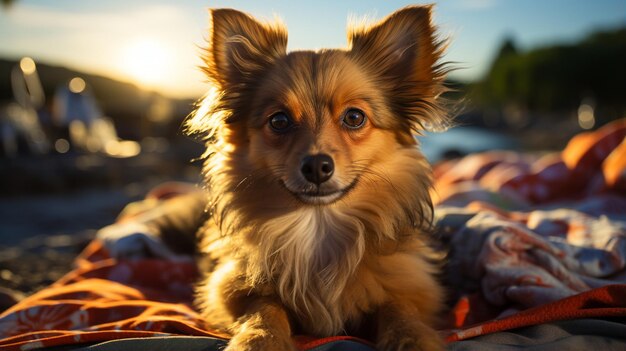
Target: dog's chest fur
316,260
312,255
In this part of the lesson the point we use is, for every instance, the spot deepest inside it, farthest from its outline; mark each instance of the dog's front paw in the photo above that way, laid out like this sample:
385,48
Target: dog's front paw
260,340
421,338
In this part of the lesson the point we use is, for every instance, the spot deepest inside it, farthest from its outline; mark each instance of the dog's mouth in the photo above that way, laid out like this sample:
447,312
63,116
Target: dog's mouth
320,197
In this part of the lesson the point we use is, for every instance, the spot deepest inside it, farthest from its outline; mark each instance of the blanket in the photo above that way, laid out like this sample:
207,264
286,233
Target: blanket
532,239
526,230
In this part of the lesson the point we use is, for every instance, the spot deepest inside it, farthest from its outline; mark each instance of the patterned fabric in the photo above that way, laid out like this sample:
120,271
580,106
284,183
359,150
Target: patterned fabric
105,299
532,240
605,302
524,230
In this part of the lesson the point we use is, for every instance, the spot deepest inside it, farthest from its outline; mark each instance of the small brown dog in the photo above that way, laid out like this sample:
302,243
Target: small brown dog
318,192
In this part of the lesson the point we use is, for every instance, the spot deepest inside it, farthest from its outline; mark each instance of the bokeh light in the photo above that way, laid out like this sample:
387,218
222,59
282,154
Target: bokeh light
62,146
586,118
27,65
77,85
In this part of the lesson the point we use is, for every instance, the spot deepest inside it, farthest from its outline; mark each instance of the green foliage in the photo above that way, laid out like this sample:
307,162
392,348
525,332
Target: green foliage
7,3
557,78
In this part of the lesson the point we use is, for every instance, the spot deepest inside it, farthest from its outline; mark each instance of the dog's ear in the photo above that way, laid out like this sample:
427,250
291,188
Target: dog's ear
240,46
401,53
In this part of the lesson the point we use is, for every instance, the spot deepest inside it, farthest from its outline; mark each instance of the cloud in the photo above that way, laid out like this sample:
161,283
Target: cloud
160,17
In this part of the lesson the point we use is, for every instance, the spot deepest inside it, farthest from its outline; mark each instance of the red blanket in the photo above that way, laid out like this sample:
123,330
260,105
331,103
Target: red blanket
532,239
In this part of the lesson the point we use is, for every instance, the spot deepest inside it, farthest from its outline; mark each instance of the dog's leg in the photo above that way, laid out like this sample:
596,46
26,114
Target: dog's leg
263,327
400,329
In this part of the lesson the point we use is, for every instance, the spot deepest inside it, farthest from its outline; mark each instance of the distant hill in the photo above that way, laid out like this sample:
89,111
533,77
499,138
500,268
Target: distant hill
125,103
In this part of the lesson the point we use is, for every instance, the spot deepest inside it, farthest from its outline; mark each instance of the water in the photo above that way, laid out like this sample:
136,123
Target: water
461,141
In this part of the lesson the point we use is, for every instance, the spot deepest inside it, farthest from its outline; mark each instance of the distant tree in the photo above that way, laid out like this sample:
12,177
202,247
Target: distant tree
7,3
558,77
508,48
496,89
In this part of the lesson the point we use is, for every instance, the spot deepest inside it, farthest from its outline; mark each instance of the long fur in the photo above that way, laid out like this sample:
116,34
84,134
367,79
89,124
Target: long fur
328,266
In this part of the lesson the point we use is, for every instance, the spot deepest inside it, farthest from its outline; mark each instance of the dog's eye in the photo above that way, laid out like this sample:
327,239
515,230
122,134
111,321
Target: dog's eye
354,118
280,122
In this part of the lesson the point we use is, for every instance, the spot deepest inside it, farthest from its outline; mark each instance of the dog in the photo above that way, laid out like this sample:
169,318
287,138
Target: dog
319,211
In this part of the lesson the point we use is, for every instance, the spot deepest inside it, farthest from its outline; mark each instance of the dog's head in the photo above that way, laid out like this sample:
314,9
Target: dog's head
320,128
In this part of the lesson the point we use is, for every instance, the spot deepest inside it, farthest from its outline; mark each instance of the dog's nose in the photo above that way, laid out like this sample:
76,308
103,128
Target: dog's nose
317,168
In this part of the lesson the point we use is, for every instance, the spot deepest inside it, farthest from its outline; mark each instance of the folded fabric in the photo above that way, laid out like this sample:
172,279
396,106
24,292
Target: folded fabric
605,302
523,231
570,335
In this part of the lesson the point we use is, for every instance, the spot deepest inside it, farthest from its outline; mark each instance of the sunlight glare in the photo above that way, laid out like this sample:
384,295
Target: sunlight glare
146,60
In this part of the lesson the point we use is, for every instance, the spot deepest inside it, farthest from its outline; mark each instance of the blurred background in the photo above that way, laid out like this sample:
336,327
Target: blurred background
93,93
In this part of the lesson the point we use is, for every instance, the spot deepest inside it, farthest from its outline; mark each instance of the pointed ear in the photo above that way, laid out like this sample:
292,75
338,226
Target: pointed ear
240,47
401,53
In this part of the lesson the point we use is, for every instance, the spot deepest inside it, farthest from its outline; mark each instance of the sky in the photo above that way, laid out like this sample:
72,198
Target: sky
156,44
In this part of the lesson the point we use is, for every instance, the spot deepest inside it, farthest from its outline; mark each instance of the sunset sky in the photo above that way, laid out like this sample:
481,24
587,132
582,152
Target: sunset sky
155,43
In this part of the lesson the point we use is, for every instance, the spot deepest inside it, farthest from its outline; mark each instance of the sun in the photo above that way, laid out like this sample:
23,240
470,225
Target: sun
146,61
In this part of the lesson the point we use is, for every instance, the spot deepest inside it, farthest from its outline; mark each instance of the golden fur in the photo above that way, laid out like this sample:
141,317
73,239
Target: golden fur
283,265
